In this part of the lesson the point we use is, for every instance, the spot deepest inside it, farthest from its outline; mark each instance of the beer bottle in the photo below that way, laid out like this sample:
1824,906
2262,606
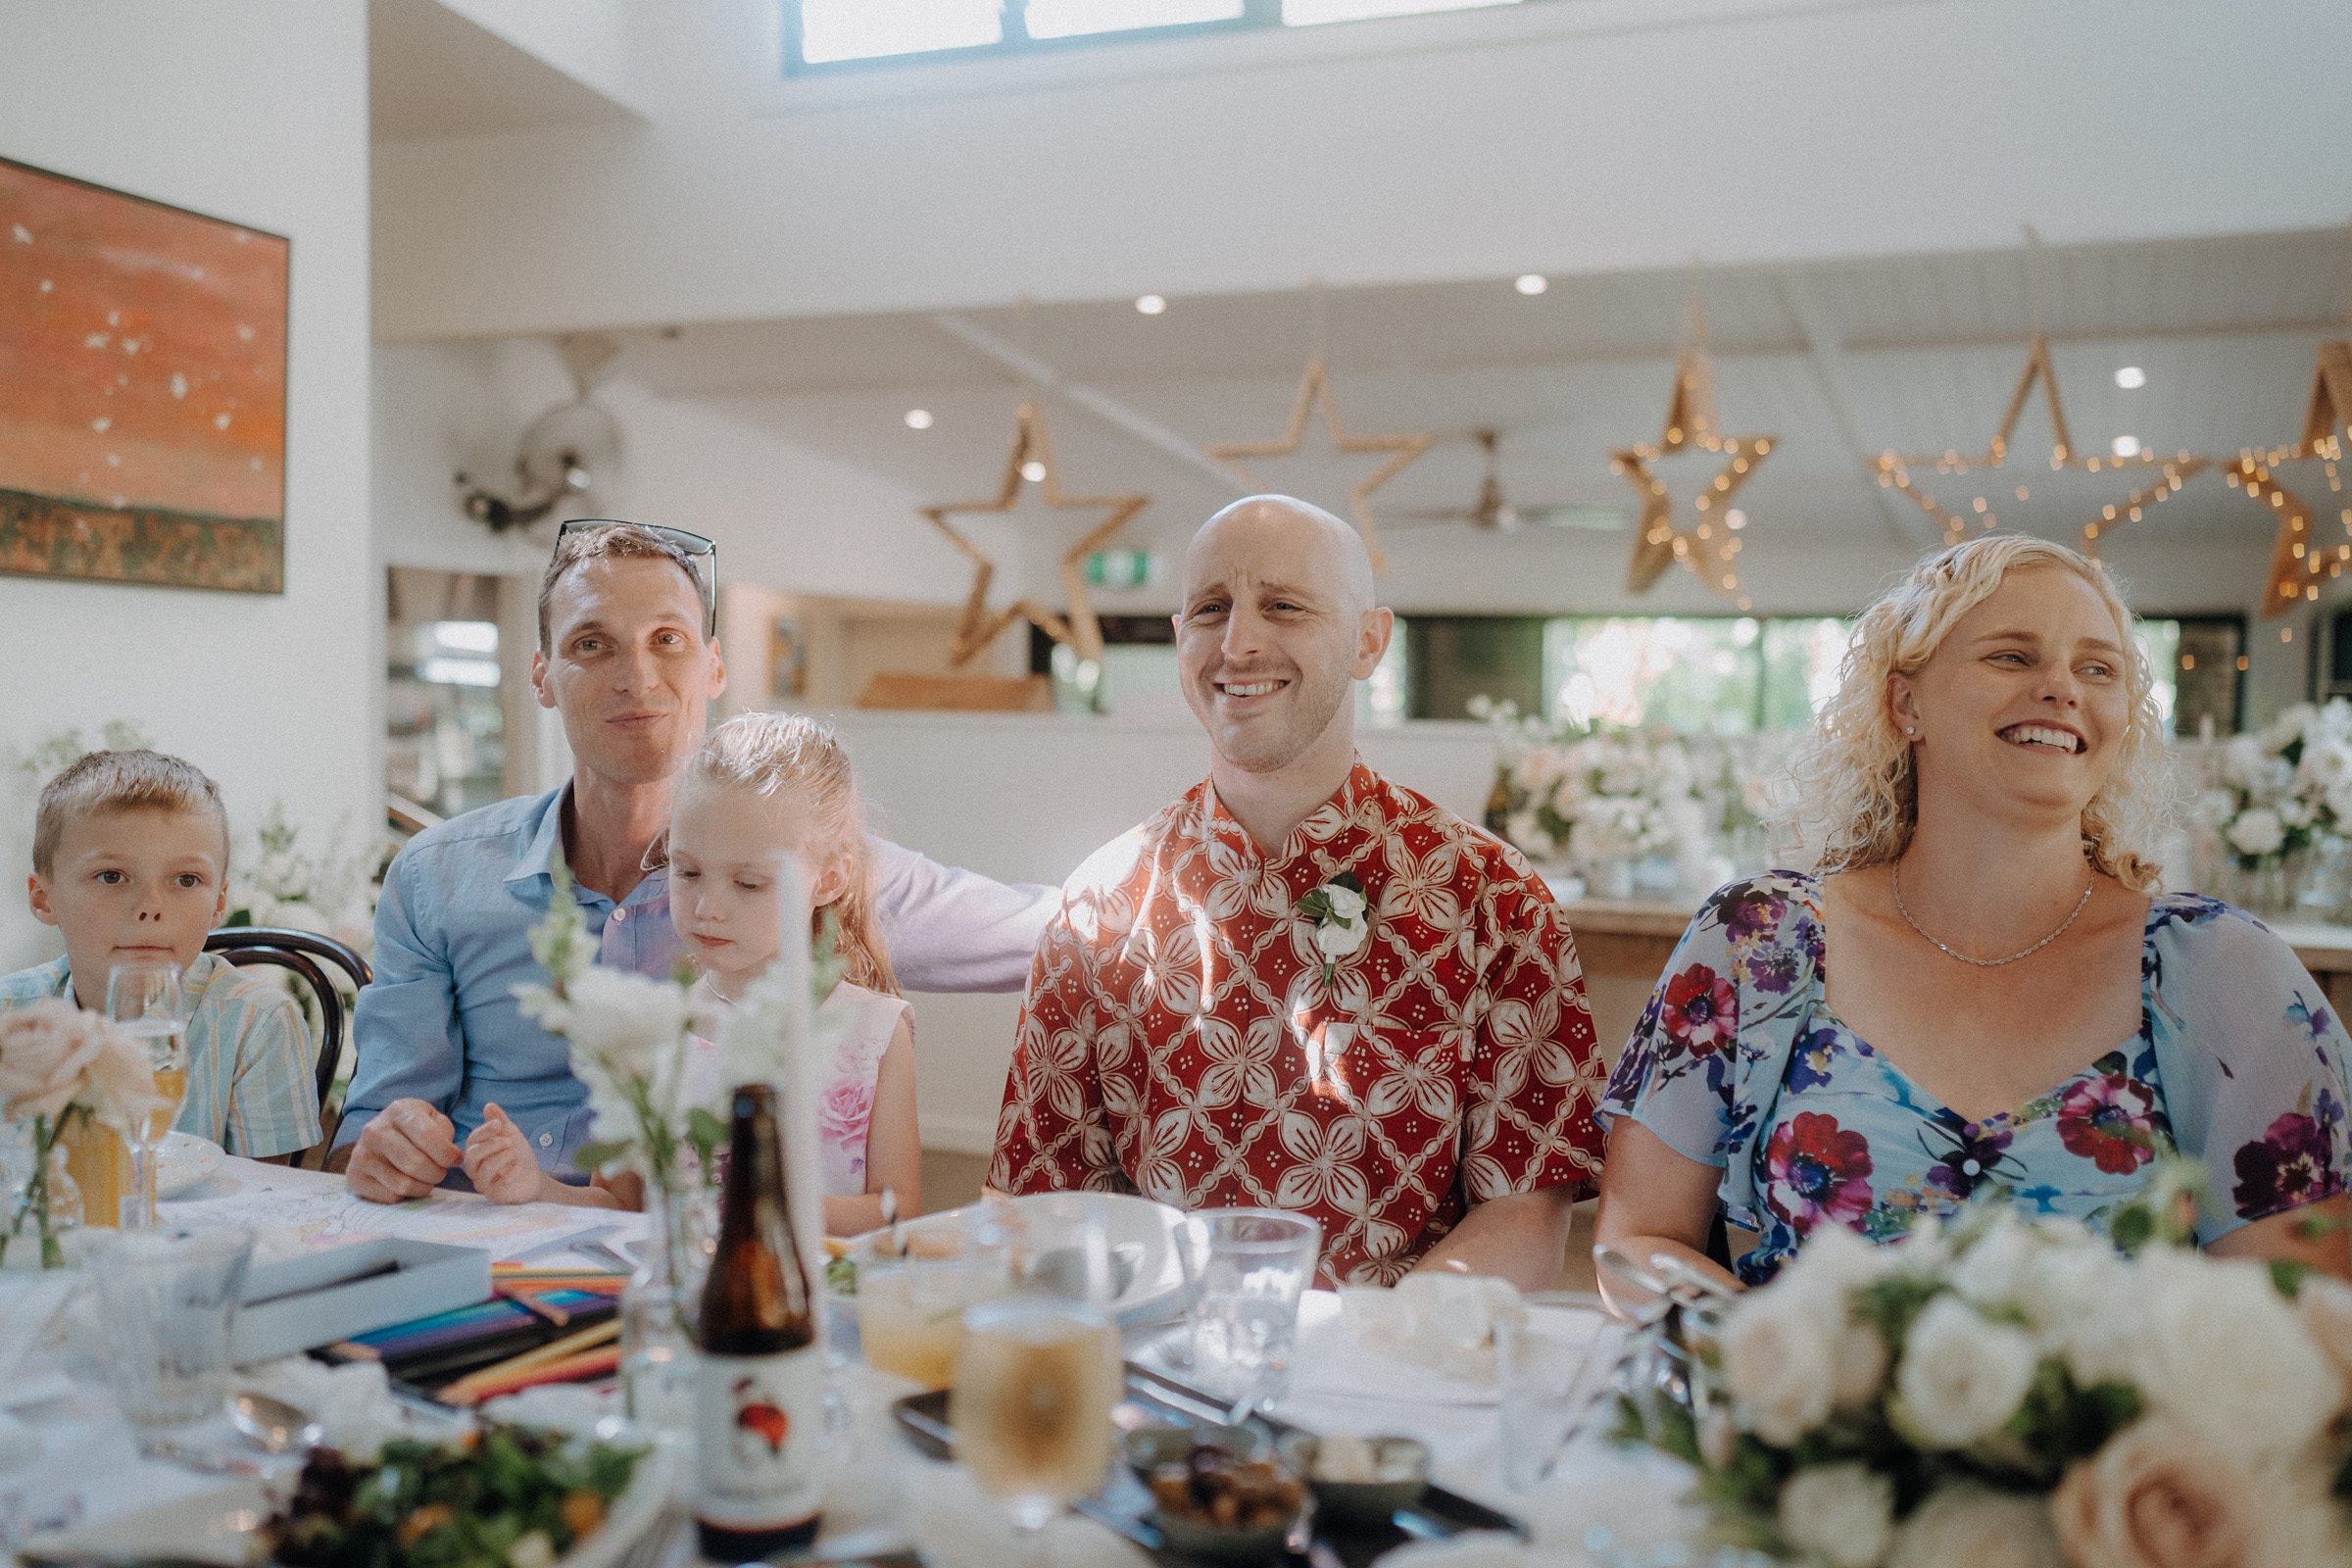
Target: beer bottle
759,1382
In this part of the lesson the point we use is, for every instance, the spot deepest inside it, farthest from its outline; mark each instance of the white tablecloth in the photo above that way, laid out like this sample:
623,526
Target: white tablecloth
88,1470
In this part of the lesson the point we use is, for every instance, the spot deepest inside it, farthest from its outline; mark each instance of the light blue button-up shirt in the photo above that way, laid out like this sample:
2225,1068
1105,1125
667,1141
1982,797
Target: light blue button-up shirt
440,1023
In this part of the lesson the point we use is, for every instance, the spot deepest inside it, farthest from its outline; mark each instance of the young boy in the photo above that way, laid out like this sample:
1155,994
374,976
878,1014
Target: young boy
131,861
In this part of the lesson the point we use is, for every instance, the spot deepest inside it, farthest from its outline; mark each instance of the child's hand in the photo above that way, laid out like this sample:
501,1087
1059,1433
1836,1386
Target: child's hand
499,1162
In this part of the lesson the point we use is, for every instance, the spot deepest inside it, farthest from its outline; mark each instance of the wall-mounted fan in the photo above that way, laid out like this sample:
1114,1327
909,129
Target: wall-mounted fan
569,453
1495,511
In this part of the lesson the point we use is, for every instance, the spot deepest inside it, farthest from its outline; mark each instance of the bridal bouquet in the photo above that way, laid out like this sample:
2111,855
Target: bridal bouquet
2015,1393
59,1065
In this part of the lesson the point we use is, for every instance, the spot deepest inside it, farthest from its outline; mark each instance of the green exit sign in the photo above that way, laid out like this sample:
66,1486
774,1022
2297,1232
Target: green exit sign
1120,568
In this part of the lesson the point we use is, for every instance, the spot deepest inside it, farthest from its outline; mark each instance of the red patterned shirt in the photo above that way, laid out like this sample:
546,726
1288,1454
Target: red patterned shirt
1183,1036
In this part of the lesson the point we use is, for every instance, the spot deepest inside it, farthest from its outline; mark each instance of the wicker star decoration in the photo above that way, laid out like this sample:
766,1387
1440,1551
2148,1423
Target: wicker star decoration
1313,387
1894,469
1033,442
2296,555
1711,547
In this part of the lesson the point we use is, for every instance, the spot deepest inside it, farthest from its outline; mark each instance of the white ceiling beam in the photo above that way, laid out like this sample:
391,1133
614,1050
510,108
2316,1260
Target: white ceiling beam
1100,404
1909,526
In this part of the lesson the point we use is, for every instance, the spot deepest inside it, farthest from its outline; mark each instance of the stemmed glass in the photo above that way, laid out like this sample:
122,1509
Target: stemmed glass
148,1003
1039,1372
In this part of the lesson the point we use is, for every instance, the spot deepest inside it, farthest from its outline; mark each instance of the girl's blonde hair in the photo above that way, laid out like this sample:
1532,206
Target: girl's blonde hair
1856,797
774,755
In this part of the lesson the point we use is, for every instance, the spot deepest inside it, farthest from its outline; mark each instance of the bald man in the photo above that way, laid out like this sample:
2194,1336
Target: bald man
1302,986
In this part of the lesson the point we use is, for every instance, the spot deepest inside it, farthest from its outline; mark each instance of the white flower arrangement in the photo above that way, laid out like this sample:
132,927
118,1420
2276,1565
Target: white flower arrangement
2008,1392
1627,795
2268,795
629,1039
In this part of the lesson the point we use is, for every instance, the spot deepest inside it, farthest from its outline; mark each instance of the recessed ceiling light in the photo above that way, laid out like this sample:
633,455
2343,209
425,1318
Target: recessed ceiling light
918,418
2131,378
1149,304
2126,446
1531,284
1033,471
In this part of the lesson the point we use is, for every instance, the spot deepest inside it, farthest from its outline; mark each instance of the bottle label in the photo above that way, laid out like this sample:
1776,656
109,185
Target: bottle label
758,1423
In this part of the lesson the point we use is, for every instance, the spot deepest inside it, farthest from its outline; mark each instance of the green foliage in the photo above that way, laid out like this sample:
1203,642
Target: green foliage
54,753
2287,1276
2163,1213
2059,1421
1316,905
705,1133
1894,1303
425,1507
596,1157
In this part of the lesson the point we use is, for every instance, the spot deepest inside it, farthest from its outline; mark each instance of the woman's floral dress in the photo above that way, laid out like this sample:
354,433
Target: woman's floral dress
1738,1062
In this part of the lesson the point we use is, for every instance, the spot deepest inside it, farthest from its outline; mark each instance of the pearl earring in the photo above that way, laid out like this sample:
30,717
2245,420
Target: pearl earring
1908,730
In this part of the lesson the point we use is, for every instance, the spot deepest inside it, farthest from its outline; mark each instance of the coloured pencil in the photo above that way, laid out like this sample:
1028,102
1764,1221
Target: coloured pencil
545,1354
569,1370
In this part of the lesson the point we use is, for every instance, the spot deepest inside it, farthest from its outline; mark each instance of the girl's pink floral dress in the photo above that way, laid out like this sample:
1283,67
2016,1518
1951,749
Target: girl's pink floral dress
853,1029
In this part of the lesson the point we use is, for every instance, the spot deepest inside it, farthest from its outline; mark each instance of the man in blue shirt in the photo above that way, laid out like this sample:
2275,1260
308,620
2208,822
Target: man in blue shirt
628,656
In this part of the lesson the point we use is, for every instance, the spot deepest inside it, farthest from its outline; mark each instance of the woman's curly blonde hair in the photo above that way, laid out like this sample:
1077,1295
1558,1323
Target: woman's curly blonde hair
1856,797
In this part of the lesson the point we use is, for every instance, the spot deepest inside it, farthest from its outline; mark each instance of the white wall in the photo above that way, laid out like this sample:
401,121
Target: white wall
1024,798
256,113
784,516
1614,134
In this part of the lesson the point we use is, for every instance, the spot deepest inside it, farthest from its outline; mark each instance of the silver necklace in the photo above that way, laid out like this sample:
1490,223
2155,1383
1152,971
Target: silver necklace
1895,876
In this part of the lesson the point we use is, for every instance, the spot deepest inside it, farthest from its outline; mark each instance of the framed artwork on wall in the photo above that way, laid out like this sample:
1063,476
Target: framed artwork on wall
787,658
142,389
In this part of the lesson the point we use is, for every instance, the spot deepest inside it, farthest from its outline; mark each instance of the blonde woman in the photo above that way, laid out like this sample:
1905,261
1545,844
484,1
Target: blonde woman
1982,988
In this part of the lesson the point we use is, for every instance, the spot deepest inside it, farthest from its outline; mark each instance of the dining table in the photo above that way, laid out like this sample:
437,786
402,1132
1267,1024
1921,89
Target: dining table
68,1459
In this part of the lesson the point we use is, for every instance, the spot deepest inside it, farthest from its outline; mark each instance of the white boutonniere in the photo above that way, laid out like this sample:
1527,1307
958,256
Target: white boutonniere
1338,908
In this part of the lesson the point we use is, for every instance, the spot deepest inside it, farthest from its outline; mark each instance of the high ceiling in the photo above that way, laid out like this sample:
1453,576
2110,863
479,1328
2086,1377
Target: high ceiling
1840,361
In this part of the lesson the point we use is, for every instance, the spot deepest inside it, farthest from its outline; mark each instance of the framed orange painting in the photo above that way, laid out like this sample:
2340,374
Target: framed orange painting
142,390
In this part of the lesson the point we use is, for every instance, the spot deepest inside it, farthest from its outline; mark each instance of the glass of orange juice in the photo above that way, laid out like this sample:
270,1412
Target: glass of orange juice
911,1295
148,1003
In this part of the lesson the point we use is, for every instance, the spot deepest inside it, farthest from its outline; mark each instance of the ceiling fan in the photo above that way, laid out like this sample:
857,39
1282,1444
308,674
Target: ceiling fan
1495,511
570,453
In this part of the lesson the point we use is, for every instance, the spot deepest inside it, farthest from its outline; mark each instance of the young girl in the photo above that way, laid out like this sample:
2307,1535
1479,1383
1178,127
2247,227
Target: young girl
761,784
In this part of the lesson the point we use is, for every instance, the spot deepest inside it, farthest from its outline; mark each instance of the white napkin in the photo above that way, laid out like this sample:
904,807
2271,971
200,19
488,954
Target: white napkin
352,1404
28,1306
1445,1322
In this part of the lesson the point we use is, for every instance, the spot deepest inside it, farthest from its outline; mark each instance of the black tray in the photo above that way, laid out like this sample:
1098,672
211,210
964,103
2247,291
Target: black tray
1123,1501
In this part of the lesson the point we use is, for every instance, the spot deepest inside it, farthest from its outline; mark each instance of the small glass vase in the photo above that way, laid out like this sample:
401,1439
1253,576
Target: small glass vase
657,1309
42,1194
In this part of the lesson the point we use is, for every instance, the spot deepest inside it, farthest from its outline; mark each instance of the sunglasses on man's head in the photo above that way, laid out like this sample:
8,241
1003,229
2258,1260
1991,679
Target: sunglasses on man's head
692,544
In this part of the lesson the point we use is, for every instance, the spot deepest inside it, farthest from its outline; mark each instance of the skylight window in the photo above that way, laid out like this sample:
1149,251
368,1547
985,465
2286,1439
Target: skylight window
1309,13
862,30
1070,19
826,34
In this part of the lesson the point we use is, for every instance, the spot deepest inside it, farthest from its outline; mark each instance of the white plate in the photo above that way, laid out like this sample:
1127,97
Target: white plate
184,1161
1158,1290
216,1526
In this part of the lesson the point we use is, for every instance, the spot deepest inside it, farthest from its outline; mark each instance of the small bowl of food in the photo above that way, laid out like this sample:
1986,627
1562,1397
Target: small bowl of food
1360,1480
1216,1503
1146,1449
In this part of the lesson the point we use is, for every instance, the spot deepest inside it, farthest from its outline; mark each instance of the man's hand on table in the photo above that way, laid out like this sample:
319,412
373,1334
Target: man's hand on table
403,1153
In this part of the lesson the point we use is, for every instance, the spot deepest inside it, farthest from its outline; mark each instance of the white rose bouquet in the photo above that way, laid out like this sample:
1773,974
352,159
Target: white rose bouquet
2012,1393
1613,795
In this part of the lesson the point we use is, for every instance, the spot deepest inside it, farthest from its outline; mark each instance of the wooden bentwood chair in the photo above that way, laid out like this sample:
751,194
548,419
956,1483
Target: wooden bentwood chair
246,945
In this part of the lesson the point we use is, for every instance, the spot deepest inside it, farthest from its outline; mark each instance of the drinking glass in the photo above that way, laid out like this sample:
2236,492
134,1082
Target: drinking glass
166,1303
1254,1263
910,1304
1034,1388
1039,1370
1551,1374
148,1003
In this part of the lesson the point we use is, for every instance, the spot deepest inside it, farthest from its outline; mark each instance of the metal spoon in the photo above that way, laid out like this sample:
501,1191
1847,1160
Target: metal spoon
272,1425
